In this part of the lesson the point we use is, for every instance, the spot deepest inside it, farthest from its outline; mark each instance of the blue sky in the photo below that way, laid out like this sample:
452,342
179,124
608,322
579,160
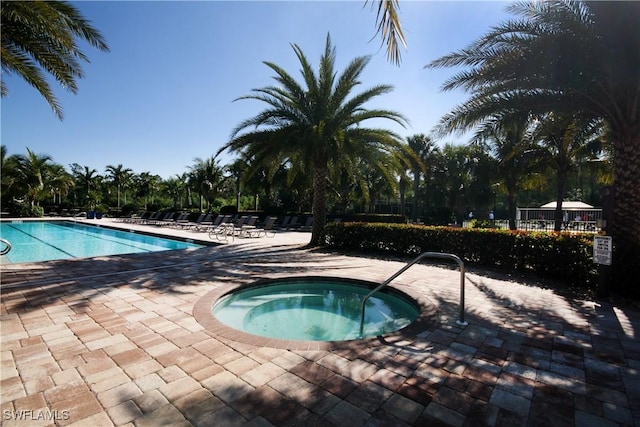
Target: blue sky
164,94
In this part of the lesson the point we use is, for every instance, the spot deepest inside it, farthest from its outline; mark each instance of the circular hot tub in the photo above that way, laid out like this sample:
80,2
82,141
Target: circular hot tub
311,309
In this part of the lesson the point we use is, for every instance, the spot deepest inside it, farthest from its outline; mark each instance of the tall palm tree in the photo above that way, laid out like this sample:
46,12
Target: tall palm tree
236,169
456,167
511,143
120,177
146,185
423,146
31,173
567,140
565,57
86,180
312,123
207,177
343,182
59,181
183,180
174,188
8,178
43,35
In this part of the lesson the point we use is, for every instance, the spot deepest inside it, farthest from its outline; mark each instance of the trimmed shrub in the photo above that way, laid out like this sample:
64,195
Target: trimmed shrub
563,256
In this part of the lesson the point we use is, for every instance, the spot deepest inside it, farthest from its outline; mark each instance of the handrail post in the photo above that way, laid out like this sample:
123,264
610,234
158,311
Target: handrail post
461,320
440,255
7,247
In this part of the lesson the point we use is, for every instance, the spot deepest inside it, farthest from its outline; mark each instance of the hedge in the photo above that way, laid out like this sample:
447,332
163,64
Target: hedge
562,256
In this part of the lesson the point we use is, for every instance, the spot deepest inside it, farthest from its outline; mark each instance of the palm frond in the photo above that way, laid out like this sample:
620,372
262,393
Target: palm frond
390,28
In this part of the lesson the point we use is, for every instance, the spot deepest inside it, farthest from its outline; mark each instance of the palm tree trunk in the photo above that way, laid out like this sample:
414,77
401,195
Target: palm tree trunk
626,213
319,208
511,202
416,188
557,216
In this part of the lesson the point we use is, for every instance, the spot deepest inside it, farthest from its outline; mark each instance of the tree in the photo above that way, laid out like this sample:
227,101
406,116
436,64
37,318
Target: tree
86,181
120,177
511,143
43,35
31,171
59,181
566,57
8,179
146,184
174,187
566,141
312,124
207,177
453,178
423,147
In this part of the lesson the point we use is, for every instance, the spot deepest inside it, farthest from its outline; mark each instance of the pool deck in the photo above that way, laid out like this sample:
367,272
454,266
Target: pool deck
124,341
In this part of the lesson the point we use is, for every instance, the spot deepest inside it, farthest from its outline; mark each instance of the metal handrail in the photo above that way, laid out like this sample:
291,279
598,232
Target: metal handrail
420,257
7,247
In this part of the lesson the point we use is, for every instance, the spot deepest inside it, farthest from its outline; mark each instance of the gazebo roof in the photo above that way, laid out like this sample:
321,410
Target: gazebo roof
568,204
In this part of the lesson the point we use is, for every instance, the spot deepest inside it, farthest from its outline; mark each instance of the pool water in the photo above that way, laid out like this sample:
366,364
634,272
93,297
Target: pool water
35,241
325,311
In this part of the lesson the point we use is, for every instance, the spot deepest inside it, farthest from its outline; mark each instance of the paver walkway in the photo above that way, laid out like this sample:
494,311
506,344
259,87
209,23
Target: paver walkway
114,341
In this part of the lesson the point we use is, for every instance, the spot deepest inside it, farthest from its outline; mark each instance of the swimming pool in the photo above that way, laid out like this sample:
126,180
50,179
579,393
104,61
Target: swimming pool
35,241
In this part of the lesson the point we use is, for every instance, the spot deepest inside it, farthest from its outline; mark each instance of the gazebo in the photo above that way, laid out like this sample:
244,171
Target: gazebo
576,215
567,205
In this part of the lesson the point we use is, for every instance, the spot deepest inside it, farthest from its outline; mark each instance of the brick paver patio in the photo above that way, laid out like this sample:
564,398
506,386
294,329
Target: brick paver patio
116,341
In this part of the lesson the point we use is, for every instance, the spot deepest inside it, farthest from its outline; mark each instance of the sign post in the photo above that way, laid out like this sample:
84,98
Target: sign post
602,249
602,254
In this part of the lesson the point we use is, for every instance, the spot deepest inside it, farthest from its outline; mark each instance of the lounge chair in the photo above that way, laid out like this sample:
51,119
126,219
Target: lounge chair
308,225
182,218
190,224
152,218
239,222
293,224
219,221
133,218
168,219
207,222
268,229
223,230
245,228
285,222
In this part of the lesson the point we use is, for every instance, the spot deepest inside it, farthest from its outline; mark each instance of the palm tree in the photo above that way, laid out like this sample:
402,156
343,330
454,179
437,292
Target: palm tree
512,145
120,177
174,188
59,181
207,177
42,35
312,124
8,178
31,175
423,147
86,179
183,180
456,167
565,57
146,185
343,182
567,140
